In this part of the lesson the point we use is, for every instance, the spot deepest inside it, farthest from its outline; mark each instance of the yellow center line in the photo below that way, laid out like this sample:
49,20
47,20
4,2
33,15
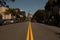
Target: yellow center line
29,33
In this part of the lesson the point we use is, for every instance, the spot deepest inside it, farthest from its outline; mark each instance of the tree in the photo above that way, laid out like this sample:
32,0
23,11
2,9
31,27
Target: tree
38,16
4,2
52,11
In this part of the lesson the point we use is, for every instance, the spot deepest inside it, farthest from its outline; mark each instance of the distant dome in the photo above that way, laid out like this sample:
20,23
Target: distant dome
30,14
21,10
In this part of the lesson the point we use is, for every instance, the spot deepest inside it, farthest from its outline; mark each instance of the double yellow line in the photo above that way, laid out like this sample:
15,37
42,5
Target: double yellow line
29,33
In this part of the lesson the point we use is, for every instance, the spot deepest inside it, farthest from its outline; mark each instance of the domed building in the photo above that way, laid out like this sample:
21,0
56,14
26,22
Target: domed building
29,15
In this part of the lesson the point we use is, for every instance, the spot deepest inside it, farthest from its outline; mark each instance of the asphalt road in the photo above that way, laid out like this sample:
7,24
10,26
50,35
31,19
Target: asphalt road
45,32
18,31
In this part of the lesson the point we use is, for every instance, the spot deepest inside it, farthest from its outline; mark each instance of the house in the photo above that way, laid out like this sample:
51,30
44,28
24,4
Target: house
4,15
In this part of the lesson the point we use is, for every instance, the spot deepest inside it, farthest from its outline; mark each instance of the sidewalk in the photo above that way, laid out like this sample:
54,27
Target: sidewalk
53,28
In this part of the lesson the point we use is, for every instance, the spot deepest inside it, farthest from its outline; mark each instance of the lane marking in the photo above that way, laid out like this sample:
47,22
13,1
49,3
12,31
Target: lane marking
29,33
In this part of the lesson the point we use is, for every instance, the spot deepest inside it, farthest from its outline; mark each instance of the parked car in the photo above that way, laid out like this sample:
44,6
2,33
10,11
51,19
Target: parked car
9,21
17,20
1,20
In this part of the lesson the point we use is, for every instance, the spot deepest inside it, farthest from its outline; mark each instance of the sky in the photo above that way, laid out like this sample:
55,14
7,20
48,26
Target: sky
26,5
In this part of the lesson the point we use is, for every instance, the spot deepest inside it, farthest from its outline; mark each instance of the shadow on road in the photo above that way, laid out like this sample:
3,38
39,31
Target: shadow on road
58,34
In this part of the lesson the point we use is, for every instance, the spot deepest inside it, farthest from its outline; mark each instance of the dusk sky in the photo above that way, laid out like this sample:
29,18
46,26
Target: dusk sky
27,5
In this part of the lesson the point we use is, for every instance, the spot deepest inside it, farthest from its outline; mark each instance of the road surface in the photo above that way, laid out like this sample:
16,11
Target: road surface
19,31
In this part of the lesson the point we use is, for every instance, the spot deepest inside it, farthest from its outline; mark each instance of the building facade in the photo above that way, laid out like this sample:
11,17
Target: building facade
4,15
29,15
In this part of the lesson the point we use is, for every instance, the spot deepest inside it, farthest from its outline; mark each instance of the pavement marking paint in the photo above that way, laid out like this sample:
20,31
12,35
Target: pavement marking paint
29,33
